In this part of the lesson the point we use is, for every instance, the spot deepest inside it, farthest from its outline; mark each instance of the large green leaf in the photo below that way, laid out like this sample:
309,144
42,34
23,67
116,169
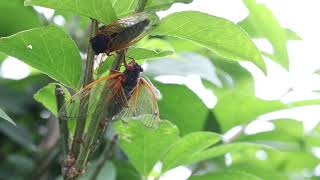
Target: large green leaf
261,23
277,161
227,175
216,151
4,116
263,172
145,146
235,108
217,34
182,107
48,49
47,97
21,17
287,134
101,10
187,146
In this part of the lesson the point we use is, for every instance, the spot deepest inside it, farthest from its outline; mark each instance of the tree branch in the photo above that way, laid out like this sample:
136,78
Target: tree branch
87,79
63,126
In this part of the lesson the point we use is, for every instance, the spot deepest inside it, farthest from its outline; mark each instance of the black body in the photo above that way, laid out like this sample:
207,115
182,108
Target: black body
131,74
99,43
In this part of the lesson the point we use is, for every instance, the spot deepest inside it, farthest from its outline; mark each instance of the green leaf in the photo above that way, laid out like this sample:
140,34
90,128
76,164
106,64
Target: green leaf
262,23
125,7
227,175
143,53
276,161
217,34
242,80
126,171
47,97
182,107
187,146
220,150
291,35
263,172
108,172
3,56
184,64
21,17
287,134
48,49
101,10
4,116
145,146
235,108
163,4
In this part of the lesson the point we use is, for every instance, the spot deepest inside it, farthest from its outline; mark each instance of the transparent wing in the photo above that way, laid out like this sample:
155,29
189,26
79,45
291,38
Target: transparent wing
142,105
95,98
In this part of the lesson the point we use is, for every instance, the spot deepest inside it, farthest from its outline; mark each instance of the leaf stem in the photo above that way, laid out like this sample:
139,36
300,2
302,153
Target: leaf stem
88,73
141,5
87,79
106,154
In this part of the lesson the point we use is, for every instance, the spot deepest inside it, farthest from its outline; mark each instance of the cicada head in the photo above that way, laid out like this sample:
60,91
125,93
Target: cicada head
99,43
134,67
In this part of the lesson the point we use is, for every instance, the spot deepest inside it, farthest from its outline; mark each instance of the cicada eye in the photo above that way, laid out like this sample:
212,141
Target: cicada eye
99,43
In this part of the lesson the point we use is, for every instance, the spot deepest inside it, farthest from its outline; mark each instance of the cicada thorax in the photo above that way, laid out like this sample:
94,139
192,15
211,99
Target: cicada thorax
131,78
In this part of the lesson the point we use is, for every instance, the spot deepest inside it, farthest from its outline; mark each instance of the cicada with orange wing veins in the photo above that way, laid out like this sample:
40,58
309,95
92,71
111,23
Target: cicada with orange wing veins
121,95
122,33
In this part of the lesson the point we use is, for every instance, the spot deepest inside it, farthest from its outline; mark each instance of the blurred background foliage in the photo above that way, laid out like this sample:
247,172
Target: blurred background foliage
285,151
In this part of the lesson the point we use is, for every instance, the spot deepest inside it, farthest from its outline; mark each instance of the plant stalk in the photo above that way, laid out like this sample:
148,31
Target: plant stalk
141,5
63,126
87,79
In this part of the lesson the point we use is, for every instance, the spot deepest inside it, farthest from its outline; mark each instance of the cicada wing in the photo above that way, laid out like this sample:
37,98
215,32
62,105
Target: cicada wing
142,105
91,99
112,28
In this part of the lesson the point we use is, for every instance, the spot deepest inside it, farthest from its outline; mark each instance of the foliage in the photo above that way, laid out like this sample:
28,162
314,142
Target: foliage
182,44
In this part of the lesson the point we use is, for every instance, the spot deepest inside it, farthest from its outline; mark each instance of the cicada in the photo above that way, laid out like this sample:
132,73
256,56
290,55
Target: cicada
122,33
120,95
